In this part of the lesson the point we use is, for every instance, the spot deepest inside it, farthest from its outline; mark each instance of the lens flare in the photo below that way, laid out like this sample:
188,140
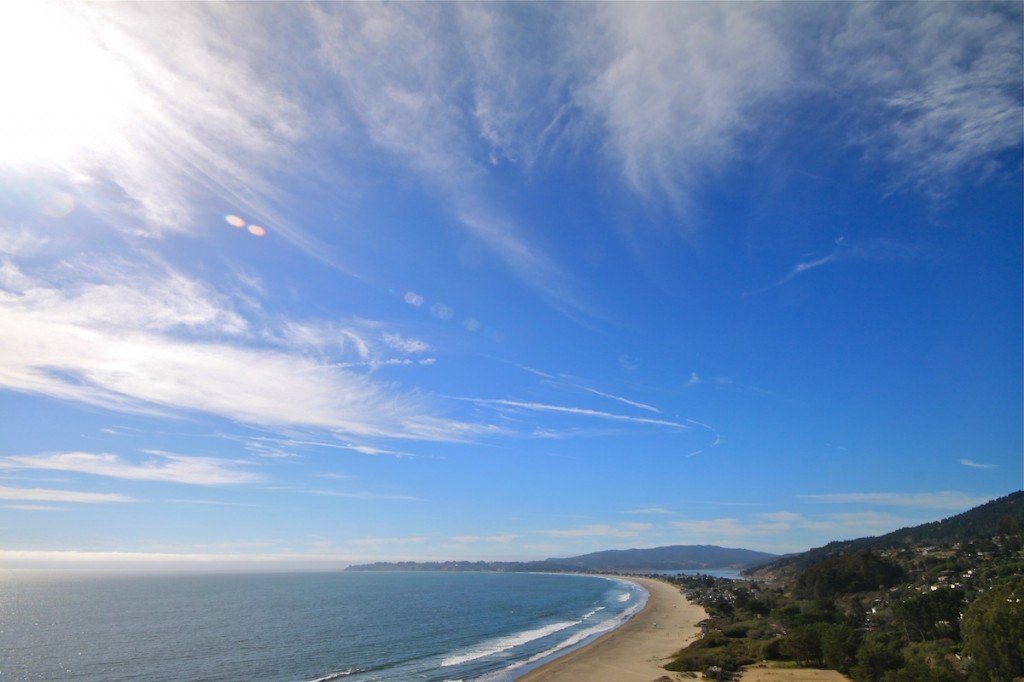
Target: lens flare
441,311
412,298
234,221
257,231
57,205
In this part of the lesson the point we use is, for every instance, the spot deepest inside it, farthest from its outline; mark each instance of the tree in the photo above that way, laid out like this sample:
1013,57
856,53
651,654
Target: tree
839,644
933,615
803,644
846,574
876,656
919,671
993,629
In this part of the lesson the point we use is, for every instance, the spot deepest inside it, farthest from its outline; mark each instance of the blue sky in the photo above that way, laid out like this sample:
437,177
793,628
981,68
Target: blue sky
295,285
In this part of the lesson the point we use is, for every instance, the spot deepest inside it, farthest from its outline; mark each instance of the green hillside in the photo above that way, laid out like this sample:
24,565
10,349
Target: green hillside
940,602
1003,516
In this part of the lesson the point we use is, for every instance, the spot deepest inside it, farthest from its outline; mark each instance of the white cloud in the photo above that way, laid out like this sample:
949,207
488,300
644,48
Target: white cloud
671,92
164,467
33,507
597,530
478,539
782,527
405,345
977,465
370,450
358,495
938,84
164,560
678,86
631,403
541,407
378,542
209,503
116,295
648,510
49,495
724,527
636,526
130,345
409,71
165,113
325,337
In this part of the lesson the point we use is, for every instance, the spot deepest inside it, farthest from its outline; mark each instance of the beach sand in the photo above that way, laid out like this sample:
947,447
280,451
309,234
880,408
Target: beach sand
635,651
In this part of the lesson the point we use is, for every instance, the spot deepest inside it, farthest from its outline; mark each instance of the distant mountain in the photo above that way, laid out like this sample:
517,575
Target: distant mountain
998,517
672,558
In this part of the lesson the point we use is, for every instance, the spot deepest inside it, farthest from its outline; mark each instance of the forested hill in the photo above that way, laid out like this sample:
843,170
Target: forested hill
671,558
1003,516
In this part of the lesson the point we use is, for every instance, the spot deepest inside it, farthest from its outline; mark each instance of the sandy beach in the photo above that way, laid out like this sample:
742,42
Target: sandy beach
636,651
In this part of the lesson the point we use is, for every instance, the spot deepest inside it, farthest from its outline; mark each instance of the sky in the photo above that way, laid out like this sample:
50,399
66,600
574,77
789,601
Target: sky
302,285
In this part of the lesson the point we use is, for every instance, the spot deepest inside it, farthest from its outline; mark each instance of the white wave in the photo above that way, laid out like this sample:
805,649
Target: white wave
336,676
582,636
573,640
496,646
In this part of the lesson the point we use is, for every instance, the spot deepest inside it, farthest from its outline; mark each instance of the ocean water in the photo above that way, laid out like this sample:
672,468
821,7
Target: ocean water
299,627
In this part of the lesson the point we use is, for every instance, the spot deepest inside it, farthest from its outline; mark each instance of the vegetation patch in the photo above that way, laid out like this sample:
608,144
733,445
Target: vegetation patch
948,610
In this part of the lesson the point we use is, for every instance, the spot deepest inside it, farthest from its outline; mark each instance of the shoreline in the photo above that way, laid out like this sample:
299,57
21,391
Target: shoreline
636,650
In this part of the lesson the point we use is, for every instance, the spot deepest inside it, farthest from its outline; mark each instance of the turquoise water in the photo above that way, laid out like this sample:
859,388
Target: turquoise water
355,627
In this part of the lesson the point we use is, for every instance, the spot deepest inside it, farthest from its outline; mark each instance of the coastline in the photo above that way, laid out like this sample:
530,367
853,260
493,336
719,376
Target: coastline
636,650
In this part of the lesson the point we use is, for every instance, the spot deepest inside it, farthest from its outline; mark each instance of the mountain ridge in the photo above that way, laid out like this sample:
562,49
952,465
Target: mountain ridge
981,521
665,558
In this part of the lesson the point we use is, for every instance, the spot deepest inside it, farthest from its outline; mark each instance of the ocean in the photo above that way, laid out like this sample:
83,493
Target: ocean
299,627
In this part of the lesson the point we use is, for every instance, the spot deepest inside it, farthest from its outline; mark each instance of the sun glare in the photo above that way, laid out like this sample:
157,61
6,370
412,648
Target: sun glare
63,92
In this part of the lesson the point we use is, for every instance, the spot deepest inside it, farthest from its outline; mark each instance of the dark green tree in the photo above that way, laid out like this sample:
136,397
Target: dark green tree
803,644
845,574
876,656
839,644
933,615
993,632
918,671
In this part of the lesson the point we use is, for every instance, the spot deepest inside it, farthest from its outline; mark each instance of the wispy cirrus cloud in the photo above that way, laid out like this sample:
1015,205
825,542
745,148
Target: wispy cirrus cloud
34,507
387,541
674,89
939,86
598,530
977,465
672,94
160,466
52,495
872,250
363,495
408,76
500,538
775,530
162,343
163,138
583,412
625,401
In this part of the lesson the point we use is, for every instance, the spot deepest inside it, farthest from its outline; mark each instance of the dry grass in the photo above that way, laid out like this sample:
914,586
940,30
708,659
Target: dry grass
768,673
